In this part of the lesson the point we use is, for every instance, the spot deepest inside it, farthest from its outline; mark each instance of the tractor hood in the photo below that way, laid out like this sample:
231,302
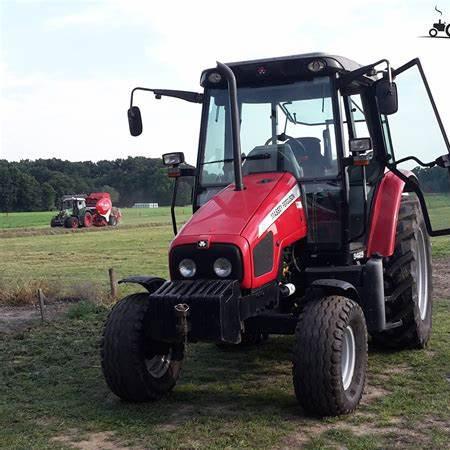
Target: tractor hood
259,221
229,211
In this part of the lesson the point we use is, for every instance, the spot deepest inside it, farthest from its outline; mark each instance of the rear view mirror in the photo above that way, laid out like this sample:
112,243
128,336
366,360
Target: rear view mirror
386,94
135,121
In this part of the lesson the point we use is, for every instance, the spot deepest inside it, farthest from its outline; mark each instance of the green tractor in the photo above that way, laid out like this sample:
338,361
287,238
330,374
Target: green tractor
73,213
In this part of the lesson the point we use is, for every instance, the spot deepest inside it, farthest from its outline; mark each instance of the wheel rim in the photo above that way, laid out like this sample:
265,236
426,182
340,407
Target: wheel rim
422,275
159,364
348,357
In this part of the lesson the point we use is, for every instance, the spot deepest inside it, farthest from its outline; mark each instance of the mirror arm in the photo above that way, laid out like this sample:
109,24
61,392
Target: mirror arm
193,97
417,160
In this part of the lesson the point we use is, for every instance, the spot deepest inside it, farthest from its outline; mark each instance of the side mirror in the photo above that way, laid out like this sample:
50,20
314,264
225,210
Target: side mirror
135,121
387,98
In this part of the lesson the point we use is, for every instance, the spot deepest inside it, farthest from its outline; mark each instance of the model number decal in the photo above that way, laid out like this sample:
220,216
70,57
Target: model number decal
279,209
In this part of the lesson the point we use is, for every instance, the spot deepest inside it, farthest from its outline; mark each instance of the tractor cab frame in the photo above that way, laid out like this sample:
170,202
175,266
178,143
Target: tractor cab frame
314,197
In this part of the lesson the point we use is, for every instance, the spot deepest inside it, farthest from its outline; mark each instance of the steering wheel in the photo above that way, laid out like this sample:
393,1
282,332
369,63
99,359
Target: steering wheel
283,138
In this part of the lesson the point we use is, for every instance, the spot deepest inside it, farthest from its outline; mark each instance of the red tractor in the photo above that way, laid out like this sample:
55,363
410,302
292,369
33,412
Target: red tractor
308,221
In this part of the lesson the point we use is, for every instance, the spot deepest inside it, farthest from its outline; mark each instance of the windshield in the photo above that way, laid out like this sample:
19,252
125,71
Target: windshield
283,128
67,204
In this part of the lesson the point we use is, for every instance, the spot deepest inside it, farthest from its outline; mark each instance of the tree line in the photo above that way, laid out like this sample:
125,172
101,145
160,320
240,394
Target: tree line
433,180
39,185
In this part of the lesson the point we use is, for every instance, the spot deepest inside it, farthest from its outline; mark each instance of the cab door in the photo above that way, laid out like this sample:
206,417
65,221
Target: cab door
416,138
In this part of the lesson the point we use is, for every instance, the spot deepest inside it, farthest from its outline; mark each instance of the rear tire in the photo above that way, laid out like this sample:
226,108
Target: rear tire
447,30
330,356
135,367
411,262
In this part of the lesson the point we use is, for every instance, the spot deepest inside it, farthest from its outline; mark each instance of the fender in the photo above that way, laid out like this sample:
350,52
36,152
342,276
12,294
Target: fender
384,217
150,282
334,285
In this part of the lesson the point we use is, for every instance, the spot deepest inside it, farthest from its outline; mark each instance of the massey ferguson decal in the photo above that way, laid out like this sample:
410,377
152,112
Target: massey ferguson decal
279,209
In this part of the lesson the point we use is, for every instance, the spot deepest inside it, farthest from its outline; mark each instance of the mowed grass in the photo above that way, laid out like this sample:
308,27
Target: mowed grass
80,258
53,396
52,393
131,216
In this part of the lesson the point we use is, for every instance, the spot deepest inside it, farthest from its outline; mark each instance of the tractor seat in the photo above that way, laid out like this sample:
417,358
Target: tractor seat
309,156
281,159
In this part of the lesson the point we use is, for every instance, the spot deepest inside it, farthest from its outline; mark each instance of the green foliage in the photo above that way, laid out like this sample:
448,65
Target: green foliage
84,310
39,185
48,197
435,179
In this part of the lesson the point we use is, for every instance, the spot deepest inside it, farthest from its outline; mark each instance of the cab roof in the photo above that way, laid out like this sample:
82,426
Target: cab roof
282,69
338,62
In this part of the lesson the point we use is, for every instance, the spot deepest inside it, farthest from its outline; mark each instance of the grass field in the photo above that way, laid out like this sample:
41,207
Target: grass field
78,260
52,394
82,257
131,216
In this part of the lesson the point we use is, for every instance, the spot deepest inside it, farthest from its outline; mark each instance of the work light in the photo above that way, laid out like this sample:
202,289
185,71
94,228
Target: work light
316,66
187,268
173,159
222,267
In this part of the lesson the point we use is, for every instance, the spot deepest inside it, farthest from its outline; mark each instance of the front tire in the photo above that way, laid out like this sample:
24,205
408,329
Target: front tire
137,368
409,266
71,222
330,356
433,32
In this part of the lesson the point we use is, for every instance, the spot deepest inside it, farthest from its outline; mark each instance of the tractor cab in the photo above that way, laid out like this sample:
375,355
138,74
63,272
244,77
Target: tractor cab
318,184
327,121
73,205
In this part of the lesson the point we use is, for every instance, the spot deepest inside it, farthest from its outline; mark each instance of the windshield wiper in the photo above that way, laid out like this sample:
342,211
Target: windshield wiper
250,158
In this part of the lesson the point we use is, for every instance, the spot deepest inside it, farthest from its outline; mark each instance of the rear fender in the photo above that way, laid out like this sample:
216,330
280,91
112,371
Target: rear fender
150,282
384,216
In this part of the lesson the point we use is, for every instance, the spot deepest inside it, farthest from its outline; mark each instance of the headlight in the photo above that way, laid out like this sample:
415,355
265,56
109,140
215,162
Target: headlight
187,268
222,267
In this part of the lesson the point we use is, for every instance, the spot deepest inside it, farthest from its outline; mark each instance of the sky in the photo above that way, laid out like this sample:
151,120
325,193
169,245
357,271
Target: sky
67,66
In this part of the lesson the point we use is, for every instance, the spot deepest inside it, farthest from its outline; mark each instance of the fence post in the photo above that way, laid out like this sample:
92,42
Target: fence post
41,304
113,282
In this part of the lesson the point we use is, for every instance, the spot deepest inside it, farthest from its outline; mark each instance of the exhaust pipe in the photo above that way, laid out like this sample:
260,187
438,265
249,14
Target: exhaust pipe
235,123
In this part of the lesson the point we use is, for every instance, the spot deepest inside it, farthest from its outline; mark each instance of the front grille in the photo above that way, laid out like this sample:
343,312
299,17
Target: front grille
204,260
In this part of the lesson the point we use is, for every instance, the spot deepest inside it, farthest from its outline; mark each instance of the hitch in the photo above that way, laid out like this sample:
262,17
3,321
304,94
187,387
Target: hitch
181,313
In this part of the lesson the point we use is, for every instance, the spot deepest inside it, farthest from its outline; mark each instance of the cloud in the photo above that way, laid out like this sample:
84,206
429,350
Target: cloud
46,115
